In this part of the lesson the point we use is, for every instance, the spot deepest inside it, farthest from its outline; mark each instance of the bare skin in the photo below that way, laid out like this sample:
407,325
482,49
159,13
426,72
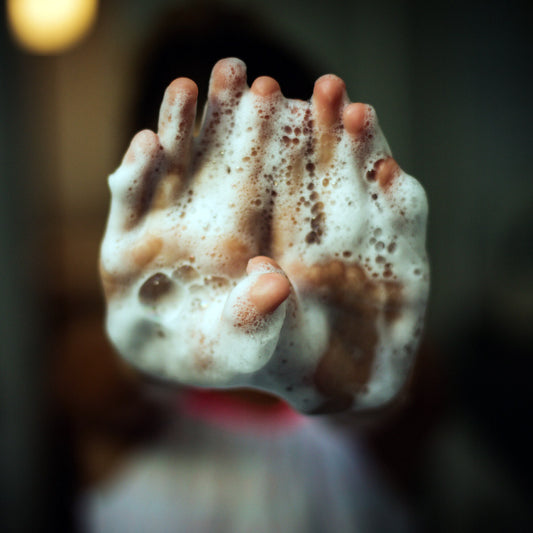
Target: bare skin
170,174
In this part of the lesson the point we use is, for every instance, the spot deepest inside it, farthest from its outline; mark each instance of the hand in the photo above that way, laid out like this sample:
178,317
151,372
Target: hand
282,248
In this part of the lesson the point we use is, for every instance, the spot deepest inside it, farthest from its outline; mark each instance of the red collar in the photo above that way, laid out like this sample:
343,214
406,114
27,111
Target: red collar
240,409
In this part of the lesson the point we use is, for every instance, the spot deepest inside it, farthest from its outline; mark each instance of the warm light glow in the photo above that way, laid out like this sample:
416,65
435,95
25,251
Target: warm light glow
50,26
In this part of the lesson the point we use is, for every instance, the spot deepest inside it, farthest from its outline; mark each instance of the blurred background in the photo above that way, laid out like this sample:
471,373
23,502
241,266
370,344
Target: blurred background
451,83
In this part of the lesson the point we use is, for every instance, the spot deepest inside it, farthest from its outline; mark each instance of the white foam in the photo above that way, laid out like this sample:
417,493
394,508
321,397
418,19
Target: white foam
269,171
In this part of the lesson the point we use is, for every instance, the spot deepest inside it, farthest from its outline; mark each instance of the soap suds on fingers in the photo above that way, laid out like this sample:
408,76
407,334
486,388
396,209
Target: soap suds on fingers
283,248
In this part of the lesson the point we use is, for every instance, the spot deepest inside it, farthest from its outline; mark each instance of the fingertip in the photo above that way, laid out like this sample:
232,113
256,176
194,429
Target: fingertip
329,94
269,292
228,73
144,143
329,89
355,118
265,86
178,108
183,86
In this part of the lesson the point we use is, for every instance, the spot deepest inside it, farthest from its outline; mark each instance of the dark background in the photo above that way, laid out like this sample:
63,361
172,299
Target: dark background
451,83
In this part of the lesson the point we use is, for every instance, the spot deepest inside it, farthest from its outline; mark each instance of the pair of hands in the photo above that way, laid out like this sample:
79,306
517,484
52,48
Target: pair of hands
281,248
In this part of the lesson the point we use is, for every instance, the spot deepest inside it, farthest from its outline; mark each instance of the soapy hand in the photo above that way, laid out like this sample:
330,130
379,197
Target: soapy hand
282,248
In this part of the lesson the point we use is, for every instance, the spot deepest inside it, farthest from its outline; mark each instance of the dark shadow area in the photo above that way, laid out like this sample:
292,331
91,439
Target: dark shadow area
187,42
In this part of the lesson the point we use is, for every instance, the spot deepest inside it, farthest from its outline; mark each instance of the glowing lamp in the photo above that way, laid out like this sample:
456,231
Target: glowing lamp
50,26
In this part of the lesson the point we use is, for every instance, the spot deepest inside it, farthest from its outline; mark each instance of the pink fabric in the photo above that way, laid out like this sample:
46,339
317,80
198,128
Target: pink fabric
232,412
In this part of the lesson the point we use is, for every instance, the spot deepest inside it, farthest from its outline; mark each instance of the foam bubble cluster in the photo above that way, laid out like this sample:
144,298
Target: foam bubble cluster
309,189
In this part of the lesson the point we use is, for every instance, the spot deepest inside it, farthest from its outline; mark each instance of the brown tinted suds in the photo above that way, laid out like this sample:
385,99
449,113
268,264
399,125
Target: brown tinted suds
356,301
344,371
238,253
168,190
146,250
326,151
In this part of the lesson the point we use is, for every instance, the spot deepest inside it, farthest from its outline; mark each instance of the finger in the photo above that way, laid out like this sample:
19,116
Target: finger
265,86
361,124
329,96
272,287
269,292
250,166
176,122
228,79
132,184
226,87
384,172
252,319
260,294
